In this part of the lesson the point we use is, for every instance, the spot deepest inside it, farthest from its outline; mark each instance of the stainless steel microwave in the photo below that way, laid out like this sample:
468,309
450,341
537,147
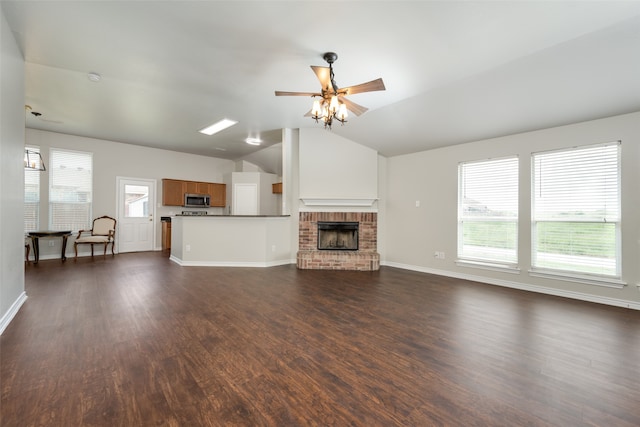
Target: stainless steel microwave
197,200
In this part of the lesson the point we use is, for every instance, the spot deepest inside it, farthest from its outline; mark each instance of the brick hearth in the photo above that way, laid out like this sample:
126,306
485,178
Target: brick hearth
366,258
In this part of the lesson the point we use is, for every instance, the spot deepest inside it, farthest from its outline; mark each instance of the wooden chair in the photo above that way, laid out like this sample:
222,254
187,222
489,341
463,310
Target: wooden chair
103,232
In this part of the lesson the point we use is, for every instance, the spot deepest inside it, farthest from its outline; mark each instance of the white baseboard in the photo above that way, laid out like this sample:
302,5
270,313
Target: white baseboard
13,310
230,263
522,286
69,256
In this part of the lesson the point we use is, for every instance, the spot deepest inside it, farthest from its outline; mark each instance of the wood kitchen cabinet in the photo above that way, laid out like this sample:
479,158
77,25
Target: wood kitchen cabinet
218,193
166,235
276,188
173,191
194,187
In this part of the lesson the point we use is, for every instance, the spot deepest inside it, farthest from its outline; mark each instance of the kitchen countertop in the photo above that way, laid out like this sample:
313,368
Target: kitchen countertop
231,216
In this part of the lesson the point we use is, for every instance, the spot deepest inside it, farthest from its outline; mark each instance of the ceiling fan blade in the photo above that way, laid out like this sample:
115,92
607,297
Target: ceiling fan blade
371,86
282,93
323,75
353,107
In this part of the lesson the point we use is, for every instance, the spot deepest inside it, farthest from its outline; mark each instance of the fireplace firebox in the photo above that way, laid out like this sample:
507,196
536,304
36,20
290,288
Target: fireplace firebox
337,236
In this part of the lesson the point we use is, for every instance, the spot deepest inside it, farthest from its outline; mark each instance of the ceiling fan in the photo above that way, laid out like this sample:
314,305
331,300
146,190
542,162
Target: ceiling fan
331,102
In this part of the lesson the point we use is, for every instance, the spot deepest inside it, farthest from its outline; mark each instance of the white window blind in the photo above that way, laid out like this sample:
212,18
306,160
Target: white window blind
488,211
31,196
576,210
70,190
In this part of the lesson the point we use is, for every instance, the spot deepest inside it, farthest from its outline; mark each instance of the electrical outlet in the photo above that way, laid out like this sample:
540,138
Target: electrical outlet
441,255
187,248
52,243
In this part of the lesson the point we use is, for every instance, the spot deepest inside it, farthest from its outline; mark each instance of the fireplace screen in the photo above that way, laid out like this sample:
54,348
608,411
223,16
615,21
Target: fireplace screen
338,236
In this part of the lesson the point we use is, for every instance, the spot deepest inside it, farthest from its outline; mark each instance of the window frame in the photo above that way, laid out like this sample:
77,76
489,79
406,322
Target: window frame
574,275
463,259
38,203
89,215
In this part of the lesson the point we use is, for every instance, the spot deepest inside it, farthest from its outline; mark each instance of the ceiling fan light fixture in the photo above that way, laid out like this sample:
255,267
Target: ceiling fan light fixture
330,103
334,105
342,113
316,109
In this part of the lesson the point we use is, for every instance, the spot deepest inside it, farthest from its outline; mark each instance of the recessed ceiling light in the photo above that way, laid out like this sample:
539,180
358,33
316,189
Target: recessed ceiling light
217,127
253,141
94,77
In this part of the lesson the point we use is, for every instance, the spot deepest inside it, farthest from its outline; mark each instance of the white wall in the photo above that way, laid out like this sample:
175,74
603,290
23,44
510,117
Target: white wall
290,186
332,167
231,241
113,159
12,113
413,234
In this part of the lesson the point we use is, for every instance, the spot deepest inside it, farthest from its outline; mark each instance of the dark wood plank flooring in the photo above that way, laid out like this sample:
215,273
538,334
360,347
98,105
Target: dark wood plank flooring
136,340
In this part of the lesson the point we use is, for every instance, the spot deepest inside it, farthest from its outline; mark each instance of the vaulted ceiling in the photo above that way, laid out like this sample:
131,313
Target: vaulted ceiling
454,71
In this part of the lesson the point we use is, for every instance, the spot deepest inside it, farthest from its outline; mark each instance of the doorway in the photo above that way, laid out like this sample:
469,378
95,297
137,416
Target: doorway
136,219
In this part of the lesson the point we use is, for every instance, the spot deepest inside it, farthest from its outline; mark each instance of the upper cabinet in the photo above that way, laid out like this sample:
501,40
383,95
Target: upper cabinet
194,187
218,193
173,191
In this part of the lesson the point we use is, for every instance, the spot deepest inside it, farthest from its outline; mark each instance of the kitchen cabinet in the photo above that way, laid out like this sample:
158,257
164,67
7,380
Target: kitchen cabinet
173,191
276,188
166,234
194,187
218,193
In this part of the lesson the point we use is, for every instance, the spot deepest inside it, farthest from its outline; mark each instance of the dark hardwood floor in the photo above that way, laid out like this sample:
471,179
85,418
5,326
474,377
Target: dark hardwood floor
136,340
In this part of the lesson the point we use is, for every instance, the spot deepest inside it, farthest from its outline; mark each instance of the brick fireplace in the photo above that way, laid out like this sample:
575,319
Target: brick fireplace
365,258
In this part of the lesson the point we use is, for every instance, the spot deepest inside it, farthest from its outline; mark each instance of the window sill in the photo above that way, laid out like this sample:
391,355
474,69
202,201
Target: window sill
503,268
578,278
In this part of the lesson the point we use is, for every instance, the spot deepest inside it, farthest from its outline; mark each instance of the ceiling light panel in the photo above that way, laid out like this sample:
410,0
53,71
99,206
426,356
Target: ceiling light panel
218,126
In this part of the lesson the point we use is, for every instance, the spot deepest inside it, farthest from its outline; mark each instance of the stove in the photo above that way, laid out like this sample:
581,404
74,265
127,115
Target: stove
195,213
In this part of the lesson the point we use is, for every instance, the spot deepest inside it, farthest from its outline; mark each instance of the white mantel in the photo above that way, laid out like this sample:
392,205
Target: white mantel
338,205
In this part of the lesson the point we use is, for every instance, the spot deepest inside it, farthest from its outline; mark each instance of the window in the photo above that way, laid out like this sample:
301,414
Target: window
70,191
31,196
576,210
488,211
136,201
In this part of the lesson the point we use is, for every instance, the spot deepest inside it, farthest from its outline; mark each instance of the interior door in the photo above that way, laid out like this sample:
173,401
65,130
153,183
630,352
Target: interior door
136,222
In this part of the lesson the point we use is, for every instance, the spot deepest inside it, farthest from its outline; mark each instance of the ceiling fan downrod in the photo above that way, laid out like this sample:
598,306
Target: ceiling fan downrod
329,108
331,57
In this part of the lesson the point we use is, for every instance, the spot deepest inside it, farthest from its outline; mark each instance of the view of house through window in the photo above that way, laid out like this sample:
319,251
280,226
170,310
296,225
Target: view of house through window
488,211
576,210
32,196
70,190
136,203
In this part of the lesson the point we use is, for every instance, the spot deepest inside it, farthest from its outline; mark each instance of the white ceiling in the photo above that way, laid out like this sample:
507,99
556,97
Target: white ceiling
454,71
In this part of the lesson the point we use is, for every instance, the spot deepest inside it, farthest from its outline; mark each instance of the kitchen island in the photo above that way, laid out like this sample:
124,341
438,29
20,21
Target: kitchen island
231,240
